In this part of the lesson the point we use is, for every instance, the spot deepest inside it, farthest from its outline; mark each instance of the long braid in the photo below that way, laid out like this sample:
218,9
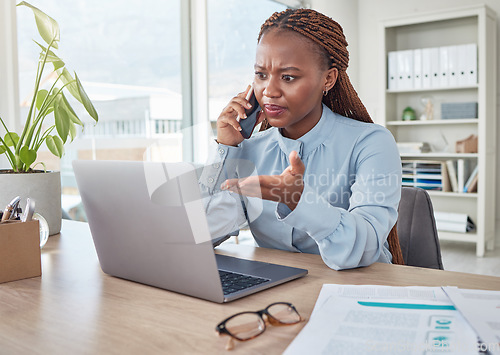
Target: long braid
342,98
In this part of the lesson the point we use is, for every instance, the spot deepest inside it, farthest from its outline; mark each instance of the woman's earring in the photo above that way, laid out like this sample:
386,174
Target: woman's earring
325,92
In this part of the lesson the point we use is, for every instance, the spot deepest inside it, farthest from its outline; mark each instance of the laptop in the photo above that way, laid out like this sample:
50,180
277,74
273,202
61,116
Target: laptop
148,225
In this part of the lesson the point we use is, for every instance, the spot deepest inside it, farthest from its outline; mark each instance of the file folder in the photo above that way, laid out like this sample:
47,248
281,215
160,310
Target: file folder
471,63
443,67
392,71
453,66
462,65
405,70
426,68
435,68
417,68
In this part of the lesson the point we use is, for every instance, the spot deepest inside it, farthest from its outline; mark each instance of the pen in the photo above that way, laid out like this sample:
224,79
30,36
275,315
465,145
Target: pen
10,208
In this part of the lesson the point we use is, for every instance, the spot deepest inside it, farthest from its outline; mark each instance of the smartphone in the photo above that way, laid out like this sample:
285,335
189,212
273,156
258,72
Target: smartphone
248,124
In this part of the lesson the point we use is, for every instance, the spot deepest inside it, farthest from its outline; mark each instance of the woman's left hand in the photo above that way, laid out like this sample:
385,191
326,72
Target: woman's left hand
286,187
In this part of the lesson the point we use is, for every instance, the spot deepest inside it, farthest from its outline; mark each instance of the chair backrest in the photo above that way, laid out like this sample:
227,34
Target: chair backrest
417,229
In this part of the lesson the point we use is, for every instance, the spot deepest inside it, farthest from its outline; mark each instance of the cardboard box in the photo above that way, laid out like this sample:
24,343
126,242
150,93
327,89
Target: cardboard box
467,145
19,250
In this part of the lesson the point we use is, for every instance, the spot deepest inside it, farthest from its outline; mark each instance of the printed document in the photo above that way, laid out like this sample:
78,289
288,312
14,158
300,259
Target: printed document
351,319
482,310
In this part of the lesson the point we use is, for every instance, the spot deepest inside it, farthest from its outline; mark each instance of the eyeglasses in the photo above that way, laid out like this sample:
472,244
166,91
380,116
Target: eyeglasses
248,325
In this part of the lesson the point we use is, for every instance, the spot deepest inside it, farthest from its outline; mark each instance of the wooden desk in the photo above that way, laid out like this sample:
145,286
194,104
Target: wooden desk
75,308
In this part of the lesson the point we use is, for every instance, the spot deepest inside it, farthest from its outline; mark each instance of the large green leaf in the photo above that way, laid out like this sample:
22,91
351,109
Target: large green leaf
86,101
58,64
28,156
72,86
47,26
42,94
72,131
62,119
72,115
11,139
55,145
3,149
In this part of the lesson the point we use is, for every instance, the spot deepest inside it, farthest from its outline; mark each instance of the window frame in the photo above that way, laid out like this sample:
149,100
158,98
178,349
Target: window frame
9,68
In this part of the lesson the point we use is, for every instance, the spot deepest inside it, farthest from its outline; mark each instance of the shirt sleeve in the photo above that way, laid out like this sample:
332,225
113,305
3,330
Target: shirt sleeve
224,209
356,236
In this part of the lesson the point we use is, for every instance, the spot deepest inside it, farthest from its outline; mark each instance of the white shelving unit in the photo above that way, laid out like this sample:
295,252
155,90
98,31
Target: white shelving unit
474,24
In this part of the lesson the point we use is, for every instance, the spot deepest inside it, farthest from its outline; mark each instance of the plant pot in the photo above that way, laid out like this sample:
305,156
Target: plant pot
43,188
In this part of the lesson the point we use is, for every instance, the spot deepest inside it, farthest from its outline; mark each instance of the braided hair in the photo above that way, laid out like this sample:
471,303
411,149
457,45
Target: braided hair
343,99
331,43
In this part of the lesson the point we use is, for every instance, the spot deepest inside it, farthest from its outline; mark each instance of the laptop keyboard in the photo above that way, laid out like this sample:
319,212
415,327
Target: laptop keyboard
234,282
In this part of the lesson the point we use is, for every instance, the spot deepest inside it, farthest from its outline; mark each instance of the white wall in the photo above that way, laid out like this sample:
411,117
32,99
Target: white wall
345,12
370,13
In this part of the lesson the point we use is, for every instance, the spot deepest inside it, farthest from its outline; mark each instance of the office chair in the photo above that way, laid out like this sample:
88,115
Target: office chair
417,229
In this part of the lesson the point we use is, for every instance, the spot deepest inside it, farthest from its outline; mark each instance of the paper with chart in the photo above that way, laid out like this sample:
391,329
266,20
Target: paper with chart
482,311
351,319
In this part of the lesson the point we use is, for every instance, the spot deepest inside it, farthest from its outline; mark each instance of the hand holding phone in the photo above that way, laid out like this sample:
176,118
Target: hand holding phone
248,124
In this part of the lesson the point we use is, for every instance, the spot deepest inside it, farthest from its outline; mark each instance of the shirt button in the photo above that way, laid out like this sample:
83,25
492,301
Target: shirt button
210,180
215,166
221,151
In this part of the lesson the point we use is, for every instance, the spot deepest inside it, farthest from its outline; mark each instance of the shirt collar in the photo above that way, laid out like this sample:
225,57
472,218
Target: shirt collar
312,139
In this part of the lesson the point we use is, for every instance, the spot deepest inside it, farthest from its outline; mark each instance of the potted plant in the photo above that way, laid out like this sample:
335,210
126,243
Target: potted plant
50,120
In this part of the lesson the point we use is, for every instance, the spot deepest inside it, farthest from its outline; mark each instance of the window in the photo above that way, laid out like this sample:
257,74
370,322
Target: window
128,57
233,28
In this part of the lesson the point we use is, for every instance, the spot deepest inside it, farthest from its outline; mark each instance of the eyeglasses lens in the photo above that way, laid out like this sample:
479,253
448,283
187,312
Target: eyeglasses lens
284,313
245,326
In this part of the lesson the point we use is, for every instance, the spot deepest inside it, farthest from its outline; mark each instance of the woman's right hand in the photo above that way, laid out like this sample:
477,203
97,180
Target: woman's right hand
228,126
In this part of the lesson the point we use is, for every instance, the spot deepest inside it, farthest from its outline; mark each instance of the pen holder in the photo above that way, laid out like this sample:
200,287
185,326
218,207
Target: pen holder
19,250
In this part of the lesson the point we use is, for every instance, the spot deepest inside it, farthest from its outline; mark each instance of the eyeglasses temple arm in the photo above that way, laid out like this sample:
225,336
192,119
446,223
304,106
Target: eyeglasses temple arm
230,343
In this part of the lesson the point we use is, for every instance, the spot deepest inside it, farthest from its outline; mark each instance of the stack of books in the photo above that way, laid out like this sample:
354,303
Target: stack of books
453,222
457,173
413,147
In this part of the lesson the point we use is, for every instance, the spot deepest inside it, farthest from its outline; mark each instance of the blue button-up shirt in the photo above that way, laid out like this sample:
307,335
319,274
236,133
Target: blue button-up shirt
352,187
